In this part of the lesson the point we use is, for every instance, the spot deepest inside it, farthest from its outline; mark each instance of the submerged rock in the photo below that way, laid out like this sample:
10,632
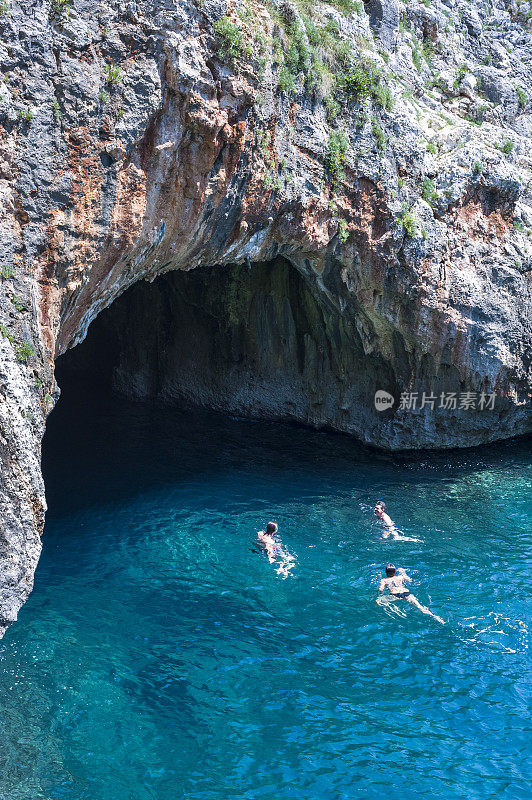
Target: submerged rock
342,196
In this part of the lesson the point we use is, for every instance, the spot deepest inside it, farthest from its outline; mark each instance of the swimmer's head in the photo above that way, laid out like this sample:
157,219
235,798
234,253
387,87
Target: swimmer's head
380,507
272,528
390,571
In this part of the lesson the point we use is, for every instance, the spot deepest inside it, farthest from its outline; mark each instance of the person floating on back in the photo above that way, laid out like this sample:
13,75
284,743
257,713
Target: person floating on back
395,583
273,548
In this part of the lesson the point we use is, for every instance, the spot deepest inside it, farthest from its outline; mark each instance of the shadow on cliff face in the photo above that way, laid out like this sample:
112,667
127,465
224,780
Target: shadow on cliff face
256,342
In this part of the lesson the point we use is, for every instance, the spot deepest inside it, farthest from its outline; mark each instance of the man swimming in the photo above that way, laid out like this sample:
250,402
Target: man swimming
274,549
380,512
395,583
391,528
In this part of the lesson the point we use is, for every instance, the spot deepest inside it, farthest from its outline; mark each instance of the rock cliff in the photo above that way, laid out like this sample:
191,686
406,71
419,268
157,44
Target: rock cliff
327,200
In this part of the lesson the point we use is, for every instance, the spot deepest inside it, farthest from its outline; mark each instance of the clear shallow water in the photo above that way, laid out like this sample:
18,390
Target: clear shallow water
160,656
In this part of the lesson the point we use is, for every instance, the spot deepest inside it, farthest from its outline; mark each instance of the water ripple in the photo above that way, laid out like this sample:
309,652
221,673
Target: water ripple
161,656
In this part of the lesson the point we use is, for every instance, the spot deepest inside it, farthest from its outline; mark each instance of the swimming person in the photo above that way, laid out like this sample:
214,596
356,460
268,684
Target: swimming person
395,583
391,527
274,549
267,541
380,512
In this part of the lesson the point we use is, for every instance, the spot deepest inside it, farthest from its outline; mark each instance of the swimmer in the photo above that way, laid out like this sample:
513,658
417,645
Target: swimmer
267,541
274,549
380,512
391,528
395,583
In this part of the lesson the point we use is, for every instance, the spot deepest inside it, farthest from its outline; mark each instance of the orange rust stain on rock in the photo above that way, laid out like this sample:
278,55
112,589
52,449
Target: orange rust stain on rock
236,141
50,294
129,209
86,170
308,225
477,220
256,200
307,154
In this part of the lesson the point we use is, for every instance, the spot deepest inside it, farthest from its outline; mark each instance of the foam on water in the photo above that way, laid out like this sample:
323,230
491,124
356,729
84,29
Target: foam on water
161,656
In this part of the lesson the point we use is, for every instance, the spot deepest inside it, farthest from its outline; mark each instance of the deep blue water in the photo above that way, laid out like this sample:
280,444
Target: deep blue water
160,656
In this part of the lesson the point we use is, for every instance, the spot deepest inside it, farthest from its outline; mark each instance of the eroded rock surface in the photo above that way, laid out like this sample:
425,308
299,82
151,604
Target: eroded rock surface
350,185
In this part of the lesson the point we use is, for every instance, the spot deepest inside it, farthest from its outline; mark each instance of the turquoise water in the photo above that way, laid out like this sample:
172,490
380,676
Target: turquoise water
161,656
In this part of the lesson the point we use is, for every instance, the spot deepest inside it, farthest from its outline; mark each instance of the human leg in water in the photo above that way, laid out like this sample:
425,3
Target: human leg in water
424,610
390,605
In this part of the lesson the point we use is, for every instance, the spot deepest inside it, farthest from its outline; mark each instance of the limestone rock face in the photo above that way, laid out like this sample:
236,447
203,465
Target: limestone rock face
383,19
326,203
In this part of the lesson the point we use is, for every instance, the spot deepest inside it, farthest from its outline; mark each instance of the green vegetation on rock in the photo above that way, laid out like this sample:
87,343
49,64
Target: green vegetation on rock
59,7
335,157
378,134
230,39
407,221
112,74
506,146
521,96
428,192
24,352
6,271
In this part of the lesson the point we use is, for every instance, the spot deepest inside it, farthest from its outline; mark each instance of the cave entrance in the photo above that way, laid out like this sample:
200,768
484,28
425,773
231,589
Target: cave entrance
253,341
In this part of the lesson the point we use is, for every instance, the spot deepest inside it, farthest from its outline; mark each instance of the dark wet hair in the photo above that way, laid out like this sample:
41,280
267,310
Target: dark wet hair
272,528
390,570
381,503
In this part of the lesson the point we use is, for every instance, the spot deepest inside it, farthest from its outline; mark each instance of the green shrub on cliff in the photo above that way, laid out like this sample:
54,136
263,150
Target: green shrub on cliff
6,334
343,232
112,74
332,109
383,96
297,57
335,157
378,133
24,352
363,79
17,303
521,96
25,114
61,6
286,81
506,146
347,6
428,192
230,43
356,81
6,271
407,222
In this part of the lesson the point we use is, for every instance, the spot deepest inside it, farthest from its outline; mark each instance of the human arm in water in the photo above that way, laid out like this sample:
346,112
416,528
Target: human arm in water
401,572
